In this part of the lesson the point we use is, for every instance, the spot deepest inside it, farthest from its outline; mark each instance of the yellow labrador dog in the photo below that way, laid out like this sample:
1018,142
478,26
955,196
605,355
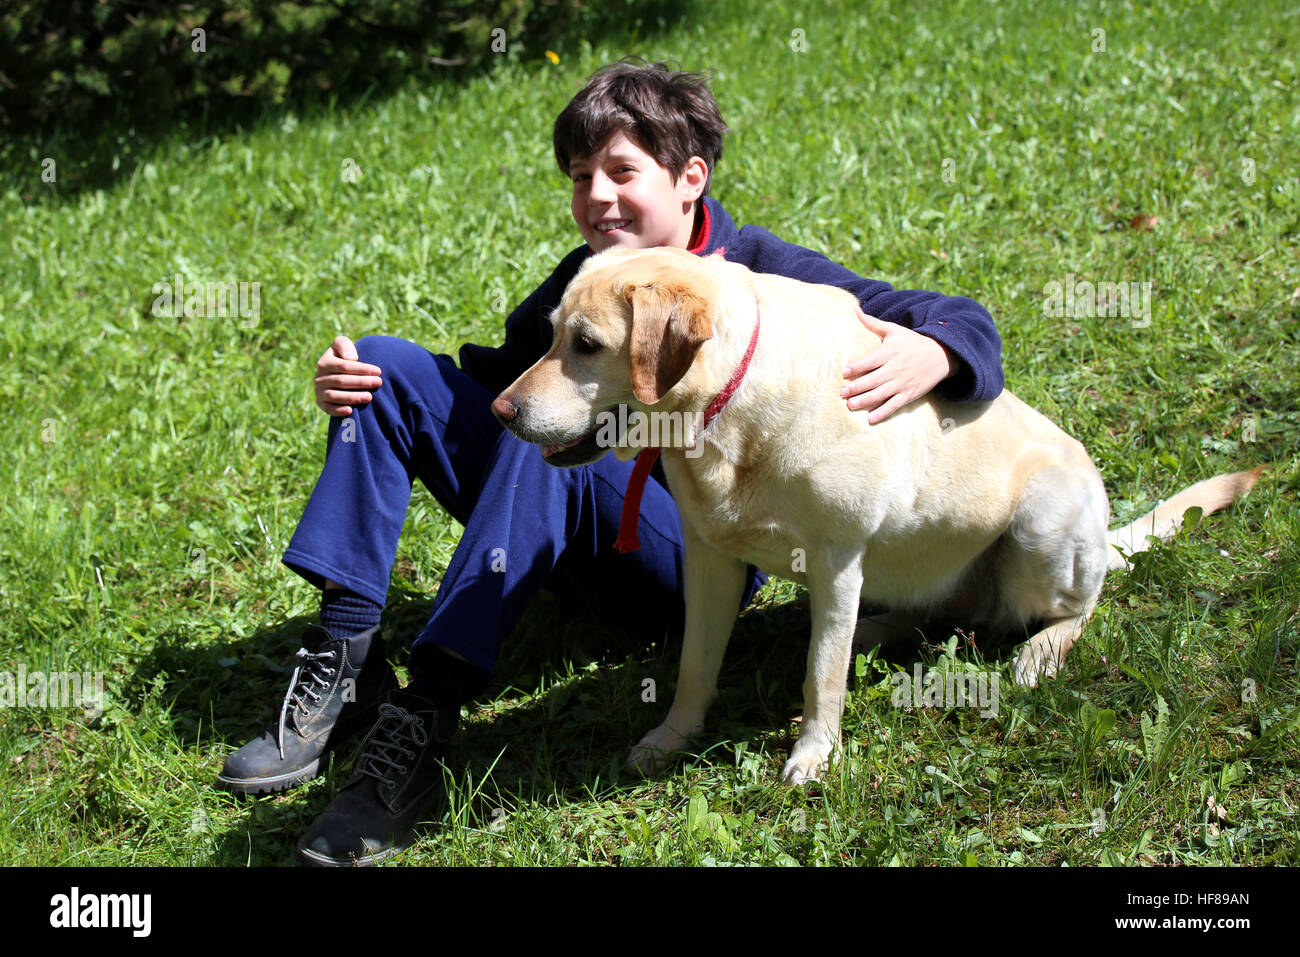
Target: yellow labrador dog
984,513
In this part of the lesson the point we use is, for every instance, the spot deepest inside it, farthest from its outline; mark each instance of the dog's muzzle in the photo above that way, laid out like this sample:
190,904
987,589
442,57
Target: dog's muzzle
582,450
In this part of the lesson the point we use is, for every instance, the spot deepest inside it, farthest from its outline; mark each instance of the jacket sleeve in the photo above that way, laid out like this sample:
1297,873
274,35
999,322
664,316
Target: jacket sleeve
528,331
959,323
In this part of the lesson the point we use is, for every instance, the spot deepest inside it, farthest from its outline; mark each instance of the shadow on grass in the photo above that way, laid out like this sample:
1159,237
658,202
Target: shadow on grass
569,698
550,726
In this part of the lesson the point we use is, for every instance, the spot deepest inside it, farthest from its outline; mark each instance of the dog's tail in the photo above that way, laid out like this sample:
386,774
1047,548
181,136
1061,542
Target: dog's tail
1163,520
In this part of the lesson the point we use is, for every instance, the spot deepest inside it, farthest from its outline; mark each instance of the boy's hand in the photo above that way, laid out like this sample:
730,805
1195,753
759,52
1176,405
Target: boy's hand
905,367
341,381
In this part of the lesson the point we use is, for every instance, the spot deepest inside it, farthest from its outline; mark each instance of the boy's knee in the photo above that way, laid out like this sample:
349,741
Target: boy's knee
388,351
401,359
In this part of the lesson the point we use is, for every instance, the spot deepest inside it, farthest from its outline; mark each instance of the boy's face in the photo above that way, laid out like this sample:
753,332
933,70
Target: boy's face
622,197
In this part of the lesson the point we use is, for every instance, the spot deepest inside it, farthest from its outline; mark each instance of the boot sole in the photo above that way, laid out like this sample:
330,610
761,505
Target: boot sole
317,859
271,785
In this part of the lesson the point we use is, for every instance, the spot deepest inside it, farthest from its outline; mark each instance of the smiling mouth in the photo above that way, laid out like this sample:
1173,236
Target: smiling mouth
610,226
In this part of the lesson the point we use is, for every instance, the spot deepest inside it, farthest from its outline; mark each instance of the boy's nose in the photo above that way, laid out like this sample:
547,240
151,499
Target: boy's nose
602,189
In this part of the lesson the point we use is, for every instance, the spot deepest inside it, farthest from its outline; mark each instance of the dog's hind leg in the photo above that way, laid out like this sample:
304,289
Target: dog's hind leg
714,584
834,589
1044,653
1052,562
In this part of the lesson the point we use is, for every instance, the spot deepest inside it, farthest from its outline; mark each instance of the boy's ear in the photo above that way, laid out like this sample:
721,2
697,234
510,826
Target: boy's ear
696,176
669,324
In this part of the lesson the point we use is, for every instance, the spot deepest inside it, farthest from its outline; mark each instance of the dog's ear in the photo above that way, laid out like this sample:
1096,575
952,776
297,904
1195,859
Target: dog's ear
669,324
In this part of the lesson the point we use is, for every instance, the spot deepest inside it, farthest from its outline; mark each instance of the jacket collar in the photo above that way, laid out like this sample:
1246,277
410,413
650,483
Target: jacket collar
722,232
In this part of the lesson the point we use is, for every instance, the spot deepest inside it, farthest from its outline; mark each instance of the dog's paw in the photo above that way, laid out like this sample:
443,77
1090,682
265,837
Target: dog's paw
800,772
656,750
807,762
1037,659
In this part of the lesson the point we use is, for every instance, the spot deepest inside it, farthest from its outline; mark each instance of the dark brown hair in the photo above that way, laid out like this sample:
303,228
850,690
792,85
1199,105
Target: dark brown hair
669,114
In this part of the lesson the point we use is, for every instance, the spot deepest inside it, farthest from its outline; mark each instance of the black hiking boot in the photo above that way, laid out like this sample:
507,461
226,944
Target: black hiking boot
330,699
397,779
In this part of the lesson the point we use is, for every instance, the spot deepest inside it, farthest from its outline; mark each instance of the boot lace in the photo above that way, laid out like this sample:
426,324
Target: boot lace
396,728
309,673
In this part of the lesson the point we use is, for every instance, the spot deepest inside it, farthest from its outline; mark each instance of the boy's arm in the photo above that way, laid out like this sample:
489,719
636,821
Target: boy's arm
968,367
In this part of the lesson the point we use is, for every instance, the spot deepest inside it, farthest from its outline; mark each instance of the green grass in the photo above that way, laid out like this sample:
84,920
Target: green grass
155,468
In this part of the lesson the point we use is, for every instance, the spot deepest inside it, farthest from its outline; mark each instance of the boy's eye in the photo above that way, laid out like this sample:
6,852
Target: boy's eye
586,345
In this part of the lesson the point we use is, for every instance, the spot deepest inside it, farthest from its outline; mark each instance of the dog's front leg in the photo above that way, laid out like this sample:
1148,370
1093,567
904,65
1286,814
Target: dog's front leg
714,584
834,586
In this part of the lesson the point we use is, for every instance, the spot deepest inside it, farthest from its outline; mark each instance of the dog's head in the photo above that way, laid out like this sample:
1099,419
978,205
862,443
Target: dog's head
625,334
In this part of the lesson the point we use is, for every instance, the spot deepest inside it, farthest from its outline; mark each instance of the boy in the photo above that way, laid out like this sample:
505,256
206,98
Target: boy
639,144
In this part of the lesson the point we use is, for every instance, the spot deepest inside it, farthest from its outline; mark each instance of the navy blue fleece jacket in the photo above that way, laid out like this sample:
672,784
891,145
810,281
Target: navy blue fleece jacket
961,324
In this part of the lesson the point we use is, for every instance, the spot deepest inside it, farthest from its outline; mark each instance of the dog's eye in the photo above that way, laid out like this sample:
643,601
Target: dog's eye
586,345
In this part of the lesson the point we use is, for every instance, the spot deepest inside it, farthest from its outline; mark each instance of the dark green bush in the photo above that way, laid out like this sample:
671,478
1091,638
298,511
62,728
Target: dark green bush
83,61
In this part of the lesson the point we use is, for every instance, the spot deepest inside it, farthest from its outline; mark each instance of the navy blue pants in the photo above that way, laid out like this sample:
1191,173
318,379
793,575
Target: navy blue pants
528,525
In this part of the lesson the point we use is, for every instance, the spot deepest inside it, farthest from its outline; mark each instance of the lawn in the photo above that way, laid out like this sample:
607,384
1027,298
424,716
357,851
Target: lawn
155,466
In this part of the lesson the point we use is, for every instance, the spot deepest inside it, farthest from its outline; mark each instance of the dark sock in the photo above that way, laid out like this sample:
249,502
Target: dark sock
446,681
345,614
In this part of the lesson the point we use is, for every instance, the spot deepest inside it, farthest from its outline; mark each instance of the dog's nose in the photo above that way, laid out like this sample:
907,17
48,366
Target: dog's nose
504,409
